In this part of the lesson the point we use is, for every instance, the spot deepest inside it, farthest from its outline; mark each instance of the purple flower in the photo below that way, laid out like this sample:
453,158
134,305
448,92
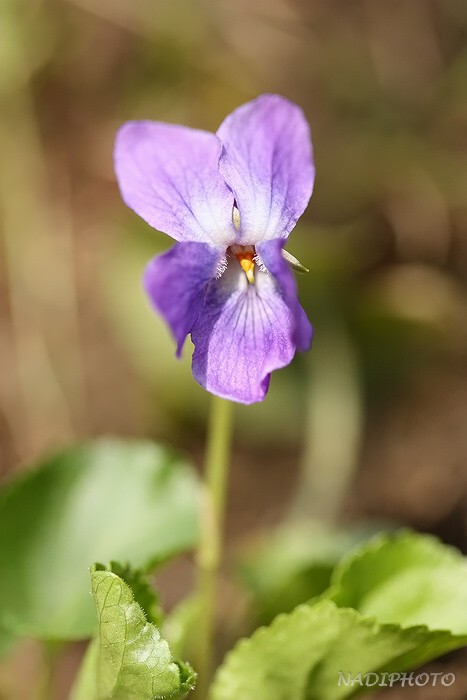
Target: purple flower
229,200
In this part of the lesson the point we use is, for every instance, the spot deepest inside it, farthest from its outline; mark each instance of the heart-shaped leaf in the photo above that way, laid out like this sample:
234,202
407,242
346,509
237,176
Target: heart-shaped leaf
303,654
405,578
134,662
131,501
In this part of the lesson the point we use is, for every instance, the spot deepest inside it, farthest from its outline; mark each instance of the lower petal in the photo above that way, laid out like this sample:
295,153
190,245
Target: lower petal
243,332
175,282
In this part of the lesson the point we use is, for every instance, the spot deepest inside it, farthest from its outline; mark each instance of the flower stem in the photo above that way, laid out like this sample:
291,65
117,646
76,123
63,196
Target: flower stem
209,556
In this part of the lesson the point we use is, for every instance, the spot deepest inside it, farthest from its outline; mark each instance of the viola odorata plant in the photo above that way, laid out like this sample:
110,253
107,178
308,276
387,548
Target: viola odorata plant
230,200
331,629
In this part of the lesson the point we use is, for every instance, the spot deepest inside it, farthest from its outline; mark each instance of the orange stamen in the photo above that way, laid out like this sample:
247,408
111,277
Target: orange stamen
247,263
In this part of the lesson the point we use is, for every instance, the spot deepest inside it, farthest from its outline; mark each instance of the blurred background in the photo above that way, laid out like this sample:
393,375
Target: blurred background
369,426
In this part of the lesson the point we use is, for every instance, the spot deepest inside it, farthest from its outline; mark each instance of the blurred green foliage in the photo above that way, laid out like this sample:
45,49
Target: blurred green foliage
382,613
135,501
292,565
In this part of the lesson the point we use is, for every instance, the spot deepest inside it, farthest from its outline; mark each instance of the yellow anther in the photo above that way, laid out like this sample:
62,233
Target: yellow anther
247,264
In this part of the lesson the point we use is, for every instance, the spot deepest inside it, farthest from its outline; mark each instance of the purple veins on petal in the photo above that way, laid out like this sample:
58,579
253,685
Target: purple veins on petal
169,175
268,163
245,331
175,282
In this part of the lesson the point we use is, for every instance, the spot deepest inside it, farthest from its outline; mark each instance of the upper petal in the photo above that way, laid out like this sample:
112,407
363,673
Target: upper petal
267,161
242,333
175,280
169,175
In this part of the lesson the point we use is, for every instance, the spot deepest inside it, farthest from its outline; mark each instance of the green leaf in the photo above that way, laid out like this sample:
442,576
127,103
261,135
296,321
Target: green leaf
300,656
413,584
85,685
132,501
144,594
294,564
134,662
406,579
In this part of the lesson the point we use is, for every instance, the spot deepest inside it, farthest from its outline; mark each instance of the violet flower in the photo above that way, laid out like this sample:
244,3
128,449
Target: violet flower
229,200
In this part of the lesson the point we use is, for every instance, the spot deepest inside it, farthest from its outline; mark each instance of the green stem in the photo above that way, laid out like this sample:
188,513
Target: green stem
209,557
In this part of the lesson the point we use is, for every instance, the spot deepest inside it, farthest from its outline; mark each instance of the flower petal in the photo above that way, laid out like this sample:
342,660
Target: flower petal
267,161
175,281
270,254
169,175
245,331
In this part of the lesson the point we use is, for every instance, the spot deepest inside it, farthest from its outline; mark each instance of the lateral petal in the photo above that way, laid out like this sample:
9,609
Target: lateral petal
175,282
169,175
270,253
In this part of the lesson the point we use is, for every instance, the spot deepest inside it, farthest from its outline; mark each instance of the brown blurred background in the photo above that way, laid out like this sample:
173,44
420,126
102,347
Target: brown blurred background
373,422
